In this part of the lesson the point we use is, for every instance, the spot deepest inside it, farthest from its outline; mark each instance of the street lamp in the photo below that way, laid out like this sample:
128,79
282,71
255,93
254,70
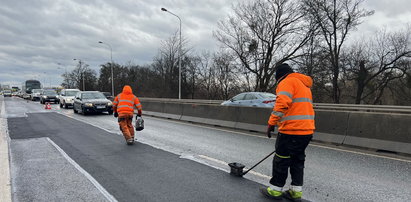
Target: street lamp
82,73
111,65
179,55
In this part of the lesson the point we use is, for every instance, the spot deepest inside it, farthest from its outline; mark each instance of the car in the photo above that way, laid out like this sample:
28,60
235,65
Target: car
35,94
92,102
66,97
108,96
252,99
7,93
49,96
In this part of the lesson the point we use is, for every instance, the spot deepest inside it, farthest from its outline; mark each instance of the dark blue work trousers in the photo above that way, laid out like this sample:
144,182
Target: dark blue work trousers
289,154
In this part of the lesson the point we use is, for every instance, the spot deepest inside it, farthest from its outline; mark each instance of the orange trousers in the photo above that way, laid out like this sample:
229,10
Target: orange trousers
126,125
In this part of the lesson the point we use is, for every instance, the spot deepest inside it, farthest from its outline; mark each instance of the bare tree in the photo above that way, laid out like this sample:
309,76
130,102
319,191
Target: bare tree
263,33
376,62
335,19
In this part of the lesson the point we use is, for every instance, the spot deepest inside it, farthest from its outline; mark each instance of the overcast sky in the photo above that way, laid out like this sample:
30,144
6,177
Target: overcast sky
36,35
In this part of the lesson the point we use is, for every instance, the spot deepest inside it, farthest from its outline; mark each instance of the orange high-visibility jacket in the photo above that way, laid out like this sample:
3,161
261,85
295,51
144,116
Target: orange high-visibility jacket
293,111
125,102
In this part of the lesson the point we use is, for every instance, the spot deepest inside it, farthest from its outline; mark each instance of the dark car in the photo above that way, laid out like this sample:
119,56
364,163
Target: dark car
91,102
49,96
108,96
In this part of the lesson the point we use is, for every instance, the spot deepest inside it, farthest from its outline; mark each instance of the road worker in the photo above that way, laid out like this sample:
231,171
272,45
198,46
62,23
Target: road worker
123,107
293,113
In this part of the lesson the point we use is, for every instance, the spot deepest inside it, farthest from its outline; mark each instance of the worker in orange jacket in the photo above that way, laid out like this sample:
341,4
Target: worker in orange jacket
123,107
293,113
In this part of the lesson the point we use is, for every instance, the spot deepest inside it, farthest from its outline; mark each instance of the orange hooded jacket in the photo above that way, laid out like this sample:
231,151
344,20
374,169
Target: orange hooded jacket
125,102
293,111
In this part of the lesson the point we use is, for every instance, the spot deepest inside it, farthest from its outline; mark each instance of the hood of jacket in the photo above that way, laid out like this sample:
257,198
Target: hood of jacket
307,80
127,90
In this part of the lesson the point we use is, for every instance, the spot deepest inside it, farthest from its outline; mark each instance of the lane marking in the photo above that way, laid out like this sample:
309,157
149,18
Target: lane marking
102,190
314,145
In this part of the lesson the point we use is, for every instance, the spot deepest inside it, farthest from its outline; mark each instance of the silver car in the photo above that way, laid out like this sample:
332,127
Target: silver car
67,97
252,99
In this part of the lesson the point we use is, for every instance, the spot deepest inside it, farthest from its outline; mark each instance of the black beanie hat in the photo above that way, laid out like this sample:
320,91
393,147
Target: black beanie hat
282,70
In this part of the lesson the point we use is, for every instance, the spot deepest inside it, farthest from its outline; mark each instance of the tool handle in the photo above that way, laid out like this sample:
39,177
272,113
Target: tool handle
259,162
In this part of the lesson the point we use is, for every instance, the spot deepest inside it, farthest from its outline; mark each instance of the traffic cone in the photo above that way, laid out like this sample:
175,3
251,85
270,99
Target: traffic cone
47,105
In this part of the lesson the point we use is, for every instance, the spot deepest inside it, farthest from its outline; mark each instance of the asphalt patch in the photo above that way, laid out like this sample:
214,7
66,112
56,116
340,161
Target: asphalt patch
134,173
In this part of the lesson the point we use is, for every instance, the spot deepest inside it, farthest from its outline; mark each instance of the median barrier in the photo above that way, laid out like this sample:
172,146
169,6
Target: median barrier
380,131
209,114
332,125
253,118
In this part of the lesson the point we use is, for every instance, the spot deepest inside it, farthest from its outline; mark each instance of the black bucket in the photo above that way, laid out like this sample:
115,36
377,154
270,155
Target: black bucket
236,169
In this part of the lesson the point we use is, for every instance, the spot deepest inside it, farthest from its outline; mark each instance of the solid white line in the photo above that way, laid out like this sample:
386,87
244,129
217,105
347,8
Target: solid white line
105,193
314,145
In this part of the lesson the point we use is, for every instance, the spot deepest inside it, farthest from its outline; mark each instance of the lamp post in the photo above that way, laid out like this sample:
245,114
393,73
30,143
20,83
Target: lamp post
179,55
111,65
82,73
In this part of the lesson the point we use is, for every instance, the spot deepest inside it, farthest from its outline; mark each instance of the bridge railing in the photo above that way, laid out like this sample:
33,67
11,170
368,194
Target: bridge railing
323,106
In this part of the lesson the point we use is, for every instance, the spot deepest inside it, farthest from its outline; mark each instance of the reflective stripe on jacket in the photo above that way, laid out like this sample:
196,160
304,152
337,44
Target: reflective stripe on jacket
125,102
293,111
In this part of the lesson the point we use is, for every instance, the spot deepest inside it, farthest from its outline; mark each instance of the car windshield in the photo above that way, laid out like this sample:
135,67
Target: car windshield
49,92
93,96
267,95
71,93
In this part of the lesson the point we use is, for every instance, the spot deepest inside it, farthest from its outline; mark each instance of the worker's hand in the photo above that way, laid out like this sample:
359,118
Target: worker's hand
115,114
270,129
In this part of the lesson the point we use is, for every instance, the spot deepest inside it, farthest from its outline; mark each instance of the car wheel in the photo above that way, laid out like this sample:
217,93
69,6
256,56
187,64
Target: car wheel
61,105
74,110
65,106
83,111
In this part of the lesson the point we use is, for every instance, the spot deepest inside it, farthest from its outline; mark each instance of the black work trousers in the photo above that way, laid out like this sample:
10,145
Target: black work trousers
289,153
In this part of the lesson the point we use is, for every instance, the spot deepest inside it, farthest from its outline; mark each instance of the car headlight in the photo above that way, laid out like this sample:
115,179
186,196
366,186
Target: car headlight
44,96
68,99
109,104
88,104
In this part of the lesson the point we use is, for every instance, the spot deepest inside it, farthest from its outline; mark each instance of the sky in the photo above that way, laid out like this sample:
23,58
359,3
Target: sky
40,38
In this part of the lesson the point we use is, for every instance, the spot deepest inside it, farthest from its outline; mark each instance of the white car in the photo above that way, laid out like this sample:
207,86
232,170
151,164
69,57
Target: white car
35,94
67,97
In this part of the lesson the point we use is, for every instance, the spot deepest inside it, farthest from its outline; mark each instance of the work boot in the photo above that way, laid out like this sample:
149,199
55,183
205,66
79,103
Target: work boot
293,195
130,141
270,193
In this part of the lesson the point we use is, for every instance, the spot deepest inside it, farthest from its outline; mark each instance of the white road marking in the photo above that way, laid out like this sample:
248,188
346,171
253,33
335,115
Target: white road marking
105,193
314,145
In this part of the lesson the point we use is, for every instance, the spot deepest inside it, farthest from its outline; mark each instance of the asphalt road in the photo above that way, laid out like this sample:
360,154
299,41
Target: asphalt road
177,161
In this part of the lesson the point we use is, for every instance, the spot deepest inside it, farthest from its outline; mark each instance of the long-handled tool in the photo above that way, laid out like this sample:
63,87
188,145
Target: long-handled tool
237,168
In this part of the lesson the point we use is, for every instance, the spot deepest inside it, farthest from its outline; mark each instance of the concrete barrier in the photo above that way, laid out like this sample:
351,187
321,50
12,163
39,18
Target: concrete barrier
378,131
208,114
332,125
390,132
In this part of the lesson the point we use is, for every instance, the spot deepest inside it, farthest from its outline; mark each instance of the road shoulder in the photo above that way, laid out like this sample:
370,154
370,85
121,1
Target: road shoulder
5,185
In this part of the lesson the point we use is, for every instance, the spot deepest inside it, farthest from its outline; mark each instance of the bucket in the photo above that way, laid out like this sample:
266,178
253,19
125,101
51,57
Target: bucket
236,169
139,123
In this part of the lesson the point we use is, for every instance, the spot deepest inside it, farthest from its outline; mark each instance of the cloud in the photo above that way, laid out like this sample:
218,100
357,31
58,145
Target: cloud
36,35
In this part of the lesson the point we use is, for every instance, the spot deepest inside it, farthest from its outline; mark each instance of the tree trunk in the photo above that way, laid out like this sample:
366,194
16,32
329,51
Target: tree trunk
362,74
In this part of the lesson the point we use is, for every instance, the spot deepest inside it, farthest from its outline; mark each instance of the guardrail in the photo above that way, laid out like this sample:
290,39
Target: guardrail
323,106
376,130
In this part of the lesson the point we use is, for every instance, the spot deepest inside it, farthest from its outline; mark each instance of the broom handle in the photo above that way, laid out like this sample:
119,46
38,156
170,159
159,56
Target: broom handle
259,162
